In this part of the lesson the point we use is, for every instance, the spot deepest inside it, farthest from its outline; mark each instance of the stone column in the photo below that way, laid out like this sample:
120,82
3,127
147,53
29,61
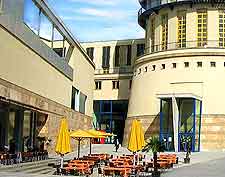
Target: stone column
175,122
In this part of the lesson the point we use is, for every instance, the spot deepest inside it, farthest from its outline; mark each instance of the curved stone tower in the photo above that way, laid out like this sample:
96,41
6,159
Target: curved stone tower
178,88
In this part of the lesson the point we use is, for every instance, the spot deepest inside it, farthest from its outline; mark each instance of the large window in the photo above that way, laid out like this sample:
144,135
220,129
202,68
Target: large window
78,101
140,49
31,15
202,28
90,52
83,99
129,53
75,99
98,85
106,57
222,29
40,24
164,24
181,29
117,56
46,28
115,84
152,35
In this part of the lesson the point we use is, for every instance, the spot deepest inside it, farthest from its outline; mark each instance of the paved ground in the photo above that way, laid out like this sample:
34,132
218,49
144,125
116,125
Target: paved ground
214,168
204,164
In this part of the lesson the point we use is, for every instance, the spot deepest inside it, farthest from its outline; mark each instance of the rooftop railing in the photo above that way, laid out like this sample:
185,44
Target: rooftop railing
155,3
184,45
116,70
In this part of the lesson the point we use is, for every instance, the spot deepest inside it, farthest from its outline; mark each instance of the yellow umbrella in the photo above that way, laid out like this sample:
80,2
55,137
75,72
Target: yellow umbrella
132,144
99,134
79,135
140,136
136,141
63,141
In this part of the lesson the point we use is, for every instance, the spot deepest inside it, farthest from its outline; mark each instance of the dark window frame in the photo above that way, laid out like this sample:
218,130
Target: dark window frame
106,57
115,85
90,52
98,85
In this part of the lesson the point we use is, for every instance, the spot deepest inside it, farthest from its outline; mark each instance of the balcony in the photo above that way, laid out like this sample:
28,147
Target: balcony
153,6
213,44
116,70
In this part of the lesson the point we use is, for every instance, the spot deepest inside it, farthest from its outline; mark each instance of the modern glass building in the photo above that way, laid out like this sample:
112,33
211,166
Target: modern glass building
45,75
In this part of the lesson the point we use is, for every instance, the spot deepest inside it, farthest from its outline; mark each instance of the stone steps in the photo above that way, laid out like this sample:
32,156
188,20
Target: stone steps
39,167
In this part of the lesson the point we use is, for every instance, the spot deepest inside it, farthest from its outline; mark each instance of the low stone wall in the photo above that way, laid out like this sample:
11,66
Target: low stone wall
213,132
150,124
54,112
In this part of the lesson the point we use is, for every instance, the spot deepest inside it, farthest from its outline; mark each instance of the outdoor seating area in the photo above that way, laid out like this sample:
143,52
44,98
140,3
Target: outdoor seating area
11,159
109,165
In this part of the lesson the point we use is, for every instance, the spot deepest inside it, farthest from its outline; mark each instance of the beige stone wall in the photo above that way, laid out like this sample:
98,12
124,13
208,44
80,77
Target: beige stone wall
213,132
54,111
150,125
99,45
108,93
23,67
200,81
83,77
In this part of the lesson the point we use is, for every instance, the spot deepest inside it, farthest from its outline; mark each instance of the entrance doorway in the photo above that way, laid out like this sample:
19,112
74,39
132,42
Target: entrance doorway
189,123
111,116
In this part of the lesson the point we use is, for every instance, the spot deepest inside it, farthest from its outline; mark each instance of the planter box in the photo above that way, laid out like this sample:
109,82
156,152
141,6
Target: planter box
156,174
186,160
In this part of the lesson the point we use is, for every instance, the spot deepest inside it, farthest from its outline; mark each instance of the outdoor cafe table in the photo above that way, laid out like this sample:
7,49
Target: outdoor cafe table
124,171
161,163
90,162
81,169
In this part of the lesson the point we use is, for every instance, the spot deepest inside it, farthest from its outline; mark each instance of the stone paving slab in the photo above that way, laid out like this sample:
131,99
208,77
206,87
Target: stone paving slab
203,164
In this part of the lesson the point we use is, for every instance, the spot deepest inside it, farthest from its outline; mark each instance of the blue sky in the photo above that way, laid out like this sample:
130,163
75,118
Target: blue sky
94,20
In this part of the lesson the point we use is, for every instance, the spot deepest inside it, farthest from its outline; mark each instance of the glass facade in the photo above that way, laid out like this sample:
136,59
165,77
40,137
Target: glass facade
181,29
152,34
164,25
222,29
20,128
189,124
202,28
40,24
111,115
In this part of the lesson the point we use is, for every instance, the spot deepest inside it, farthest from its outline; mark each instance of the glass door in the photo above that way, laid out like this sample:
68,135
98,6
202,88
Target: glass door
166,124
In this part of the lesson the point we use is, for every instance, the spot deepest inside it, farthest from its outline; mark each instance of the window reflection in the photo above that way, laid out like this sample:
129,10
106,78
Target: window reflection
41,25
45,28
31,15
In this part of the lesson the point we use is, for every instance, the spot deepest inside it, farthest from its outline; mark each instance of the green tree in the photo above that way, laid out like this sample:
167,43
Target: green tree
154,145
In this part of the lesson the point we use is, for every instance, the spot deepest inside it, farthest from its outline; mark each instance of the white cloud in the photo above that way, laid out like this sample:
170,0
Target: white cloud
98,2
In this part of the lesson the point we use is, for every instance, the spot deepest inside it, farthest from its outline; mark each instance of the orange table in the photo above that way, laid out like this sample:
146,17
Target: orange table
123,171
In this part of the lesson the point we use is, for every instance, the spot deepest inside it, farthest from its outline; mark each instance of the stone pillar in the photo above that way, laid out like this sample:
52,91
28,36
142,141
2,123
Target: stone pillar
19,130
175,122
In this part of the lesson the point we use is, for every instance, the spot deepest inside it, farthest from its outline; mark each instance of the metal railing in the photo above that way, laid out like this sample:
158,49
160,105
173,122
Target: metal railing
184,45
155,3
116,70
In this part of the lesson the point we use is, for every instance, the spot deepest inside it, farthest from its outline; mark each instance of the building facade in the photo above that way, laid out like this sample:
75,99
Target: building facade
178,86
45,75
114,62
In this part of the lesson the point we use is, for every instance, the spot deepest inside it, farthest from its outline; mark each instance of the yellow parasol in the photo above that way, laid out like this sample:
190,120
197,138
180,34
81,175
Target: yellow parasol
81,134
63,141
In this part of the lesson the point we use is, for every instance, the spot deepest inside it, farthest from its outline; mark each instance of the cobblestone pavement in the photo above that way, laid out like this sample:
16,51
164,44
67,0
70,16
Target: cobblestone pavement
204,164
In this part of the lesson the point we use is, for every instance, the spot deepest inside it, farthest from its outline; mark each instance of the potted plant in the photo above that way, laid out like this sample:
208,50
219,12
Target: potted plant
186,142
154,145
